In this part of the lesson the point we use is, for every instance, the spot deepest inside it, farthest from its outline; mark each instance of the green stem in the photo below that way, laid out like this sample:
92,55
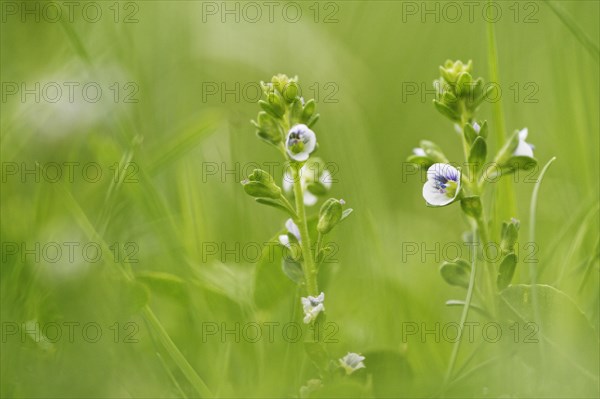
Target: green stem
490,269
308,265
463,318
505,198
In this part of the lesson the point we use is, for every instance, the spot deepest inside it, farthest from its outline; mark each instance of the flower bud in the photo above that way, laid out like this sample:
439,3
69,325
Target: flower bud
261,184
433,151
510,234
329,215
268,128
451,71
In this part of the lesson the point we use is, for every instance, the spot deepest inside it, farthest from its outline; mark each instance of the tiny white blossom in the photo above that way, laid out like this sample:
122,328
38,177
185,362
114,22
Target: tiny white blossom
309,173
419,152
312,306
352,362
300,142
524,149
476,127
291,227
442,185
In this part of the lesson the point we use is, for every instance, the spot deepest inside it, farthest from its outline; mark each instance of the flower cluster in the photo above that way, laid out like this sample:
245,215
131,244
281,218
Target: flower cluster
286,122
459,96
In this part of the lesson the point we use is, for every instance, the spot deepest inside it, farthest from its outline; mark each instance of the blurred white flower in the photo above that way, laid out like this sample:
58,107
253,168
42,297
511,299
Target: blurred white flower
300,142
442,185
291,227
352,362
524,149
419,152
312,174
312,306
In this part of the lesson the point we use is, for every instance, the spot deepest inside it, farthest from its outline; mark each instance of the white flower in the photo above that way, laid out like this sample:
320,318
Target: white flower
352,362
476,127
419,152
291,227
443,184
300,142
311,172
524,149
312,306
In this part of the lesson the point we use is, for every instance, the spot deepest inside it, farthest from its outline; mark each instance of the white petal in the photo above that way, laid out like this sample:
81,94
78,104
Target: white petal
300,157
442,169
523,134
419,152
321,297
433,196
284,240
309,198
292,228
523,150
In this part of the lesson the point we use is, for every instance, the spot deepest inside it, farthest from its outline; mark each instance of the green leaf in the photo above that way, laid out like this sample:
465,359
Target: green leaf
423,162
456,273
313,119
484,129
274,204
471,206
296,113
506,271
268,108
518,163
293,270
470,133
346,213
478,153
308,111
446,111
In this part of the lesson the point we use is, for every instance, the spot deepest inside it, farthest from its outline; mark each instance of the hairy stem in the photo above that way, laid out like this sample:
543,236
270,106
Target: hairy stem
308,265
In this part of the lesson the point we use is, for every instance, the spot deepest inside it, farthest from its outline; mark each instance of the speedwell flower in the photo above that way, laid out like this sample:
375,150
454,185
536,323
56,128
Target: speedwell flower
352,362
314,179
312,306
300,142
442,185
524,149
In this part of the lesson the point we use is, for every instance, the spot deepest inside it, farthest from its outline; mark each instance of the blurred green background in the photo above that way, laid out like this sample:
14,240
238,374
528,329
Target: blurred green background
171,139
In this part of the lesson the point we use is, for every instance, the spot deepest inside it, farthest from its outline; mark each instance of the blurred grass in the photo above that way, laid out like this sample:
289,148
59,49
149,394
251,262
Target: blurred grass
171,211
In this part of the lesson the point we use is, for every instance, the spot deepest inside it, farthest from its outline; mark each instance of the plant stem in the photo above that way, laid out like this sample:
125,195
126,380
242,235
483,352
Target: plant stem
505,197
308,265
490,269
463,318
